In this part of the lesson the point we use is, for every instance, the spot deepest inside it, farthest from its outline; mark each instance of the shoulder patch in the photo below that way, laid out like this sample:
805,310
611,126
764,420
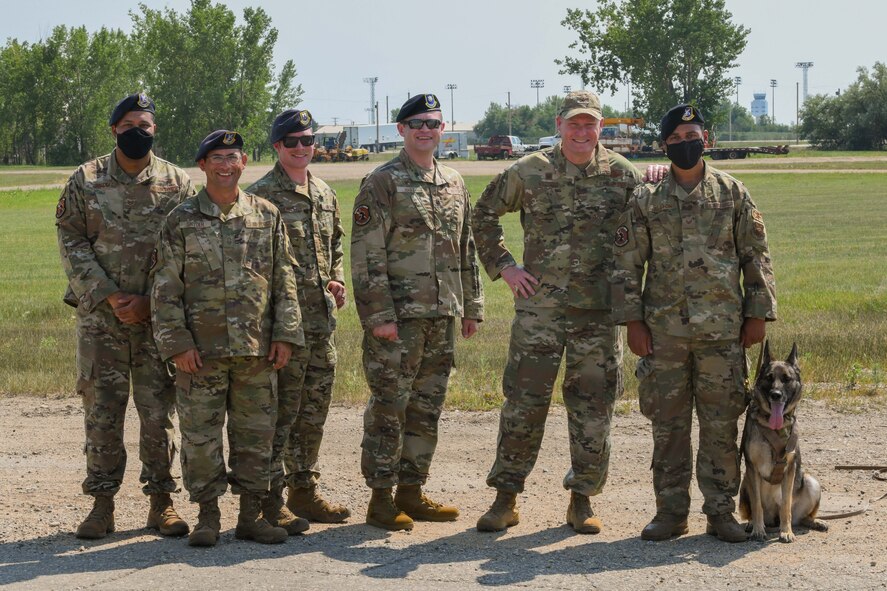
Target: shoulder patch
621,237
60,208
362,215
758,222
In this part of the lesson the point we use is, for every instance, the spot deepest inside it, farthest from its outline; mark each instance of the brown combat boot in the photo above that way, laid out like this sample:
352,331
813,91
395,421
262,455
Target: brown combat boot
664,526
278,515
209,524
502,514
382,512
307,503
411,500
724,526
581,517
100,521
251,525
163,517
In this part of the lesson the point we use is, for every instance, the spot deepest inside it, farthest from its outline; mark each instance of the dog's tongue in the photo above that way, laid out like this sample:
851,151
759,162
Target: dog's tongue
776,410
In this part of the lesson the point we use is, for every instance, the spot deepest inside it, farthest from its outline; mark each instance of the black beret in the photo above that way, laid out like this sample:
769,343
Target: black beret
678,115
290,121
421,103
220,139
134,102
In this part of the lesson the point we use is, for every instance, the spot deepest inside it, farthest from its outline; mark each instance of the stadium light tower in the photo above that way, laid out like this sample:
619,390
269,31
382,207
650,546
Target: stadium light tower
372,108
737,81
804,66
451,88
537,84
773,99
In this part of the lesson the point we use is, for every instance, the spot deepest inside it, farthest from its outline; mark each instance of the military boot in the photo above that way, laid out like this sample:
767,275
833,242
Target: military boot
581,517
209,524
411,500
278,515
664,526
502,514
307,503
382,512
162,516
100,521
724,526
251,525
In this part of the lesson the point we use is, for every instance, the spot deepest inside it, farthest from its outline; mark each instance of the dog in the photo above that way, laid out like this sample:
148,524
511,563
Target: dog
775,491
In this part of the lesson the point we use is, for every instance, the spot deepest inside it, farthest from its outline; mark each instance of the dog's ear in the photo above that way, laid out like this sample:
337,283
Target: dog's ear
793,358
765,356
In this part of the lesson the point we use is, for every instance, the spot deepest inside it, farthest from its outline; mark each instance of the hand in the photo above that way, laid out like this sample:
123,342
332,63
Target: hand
753,331
114,299
280,353
133,309
188,361
338,291
640,340
519,281
469,327
386,332
655,173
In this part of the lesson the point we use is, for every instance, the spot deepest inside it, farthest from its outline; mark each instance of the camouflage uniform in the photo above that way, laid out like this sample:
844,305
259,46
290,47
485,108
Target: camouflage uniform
305,385
695,246
224,284
568,216
413,262
107,227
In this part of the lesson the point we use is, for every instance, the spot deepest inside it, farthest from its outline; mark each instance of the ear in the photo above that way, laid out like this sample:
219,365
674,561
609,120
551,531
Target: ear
793,357
765,356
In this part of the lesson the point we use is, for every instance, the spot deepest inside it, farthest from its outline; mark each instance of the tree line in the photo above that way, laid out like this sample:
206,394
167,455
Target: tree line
203,69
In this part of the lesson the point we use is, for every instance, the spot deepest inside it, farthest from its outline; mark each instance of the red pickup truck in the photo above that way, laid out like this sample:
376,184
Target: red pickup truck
501,146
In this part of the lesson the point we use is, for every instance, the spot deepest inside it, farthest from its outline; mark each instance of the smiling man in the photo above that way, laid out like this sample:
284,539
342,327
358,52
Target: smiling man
569,197
415,272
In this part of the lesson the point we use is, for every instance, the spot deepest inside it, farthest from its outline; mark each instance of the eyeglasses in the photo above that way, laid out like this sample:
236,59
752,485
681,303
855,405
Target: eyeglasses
218,159
418,123
293,141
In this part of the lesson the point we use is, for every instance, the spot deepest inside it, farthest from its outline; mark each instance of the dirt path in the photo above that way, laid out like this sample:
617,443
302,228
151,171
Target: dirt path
41,467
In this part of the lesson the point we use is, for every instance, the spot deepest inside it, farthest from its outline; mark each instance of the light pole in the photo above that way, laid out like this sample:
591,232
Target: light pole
372,108
738,81
537,84
804,66
451,88
773,99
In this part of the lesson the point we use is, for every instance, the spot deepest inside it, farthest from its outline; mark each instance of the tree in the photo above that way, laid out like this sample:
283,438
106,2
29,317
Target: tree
672,51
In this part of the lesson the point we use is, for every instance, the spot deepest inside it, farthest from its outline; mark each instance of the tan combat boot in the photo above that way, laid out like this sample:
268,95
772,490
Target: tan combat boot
278,515
581,517
502,514
209,524
411,500
664,526
100,521
163,517
382,512
724,526
307,503
251,525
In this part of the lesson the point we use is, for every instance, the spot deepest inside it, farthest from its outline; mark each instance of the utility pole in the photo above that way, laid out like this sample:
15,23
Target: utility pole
537,84
509,112
773,99
387,111
738,81
804,66
376,106
451,88
797,115
373,104
335,121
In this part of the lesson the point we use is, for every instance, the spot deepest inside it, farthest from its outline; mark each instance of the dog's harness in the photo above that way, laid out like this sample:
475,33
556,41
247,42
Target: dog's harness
780,449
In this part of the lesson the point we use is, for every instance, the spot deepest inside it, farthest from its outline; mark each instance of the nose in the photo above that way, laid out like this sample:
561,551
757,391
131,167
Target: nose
775,394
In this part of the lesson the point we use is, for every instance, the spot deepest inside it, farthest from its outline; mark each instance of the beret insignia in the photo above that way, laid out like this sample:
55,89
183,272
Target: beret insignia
621,236
304,117
431,101
362,215
143,101
688,114
228,139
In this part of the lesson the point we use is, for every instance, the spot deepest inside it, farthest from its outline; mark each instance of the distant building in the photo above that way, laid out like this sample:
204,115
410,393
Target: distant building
759,106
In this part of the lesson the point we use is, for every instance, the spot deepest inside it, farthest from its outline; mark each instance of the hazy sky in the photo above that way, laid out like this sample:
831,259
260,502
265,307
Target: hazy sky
490,47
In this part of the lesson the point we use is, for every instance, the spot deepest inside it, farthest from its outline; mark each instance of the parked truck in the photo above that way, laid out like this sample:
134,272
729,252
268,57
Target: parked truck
364,136
501,146
453,144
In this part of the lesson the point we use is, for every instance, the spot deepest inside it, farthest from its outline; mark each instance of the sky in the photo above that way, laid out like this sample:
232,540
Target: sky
487,48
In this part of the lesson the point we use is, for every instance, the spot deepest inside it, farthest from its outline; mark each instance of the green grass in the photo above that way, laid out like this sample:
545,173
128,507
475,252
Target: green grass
827,235
13,179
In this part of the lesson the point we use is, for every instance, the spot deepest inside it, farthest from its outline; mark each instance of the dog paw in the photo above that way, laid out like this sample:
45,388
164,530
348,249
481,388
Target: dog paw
758,535
819,525
786,537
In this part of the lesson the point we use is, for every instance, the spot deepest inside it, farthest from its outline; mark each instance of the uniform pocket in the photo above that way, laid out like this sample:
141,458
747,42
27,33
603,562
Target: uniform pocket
647,395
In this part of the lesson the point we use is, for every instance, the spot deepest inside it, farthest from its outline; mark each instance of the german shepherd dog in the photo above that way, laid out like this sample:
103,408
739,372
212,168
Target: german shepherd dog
775,491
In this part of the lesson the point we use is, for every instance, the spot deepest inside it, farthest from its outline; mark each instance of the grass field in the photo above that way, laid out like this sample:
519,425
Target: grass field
827,235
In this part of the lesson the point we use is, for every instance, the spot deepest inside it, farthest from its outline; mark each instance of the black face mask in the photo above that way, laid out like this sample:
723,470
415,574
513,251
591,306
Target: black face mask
135,143
685,155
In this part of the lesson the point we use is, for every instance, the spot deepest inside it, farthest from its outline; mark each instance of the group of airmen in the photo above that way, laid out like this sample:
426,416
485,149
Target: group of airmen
220,306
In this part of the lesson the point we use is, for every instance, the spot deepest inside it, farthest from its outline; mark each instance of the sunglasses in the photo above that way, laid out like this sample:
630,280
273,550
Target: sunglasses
293,141
418,123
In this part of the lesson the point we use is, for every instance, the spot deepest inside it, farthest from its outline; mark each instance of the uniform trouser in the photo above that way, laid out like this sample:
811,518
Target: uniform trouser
679,374
408,383
540,337
305,390
244,389
109,360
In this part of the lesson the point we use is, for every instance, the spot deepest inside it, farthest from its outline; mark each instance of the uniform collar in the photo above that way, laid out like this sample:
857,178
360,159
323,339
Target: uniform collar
703,190
242,207
599,164
419,174
120,175
287,184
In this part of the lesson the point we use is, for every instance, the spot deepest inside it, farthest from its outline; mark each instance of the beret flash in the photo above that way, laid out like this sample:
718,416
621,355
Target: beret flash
221,139
421,103
134,102
290,121
677,116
